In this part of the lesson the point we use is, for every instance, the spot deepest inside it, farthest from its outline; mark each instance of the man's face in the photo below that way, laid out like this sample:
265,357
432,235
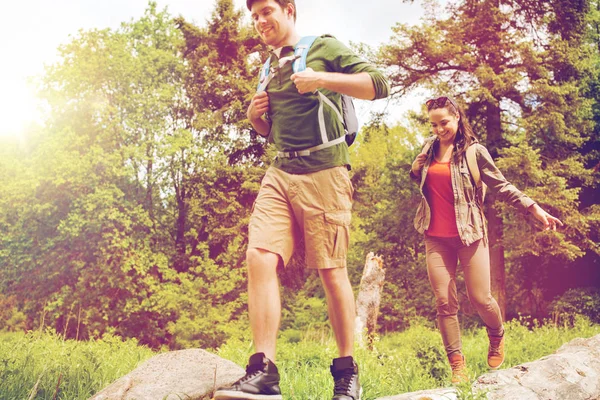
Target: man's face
273,23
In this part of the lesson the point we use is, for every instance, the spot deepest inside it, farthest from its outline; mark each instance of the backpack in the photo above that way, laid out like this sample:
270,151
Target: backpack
347,115
474,170
471,156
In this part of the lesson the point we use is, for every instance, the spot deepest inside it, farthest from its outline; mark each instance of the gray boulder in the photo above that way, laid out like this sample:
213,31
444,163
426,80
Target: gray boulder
185,374
433,394
572,373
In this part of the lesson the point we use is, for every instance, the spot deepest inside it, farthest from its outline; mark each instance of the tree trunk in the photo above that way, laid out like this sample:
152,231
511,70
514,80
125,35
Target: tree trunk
495,224
180,256
498,272
150,190
369,297
180,262
149,180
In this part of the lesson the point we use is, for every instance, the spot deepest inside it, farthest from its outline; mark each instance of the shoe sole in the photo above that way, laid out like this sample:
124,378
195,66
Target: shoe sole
495,368
234,395
224,395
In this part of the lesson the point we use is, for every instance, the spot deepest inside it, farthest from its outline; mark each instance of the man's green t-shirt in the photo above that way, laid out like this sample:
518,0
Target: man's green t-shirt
294,116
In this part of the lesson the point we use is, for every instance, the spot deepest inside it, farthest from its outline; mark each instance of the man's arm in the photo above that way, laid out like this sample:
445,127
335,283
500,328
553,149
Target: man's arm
259,105
358,85
261,126
340,70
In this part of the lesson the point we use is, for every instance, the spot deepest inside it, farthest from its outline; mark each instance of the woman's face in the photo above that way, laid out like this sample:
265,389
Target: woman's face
444,124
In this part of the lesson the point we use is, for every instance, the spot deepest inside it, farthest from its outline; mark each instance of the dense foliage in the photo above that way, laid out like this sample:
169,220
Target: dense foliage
126,212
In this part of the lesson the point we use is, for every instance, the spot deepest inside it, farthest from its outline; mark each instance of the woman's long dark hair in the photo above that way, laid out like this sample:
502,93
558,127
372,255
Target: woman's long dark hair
465,135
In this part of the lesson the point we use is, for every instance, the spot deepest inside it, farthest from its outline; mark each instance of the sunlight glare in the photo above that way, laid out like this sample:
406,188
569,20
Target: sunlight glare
18,106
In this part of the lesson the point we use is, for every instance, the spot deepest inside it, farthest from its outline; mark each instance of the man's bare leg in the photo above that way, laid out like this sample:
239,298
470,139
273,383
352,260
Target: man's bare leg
341,308
264,302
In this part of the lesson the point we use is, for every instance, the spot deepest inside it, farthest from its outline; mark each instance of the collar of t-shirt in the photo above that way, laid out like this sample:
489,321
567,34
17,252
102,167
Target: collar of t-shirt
283,49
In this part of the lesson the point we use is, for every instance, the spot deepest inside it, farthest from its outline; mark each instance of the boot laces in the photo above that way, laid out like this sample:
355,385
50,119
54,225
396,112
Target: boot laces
251,372
343,383
457,365
495,345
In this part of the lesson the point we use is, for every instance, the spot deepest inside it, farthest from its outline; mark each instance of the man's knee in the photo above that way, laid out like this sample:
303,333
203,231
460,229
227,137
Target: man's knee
334,277
261,261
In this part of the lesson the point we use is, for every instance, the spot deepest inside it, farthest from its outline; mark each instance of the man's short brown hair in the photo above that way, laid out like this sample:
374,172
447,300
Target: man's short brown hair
282,4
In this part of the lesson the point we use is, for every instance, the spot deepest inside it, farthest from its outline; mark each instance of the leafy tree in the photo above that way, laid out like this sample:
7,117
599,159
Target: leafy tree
95,216
220,81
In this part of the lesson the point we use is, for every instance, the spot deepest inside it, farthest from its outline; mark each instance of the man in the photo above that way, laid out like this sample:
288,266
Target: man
308,194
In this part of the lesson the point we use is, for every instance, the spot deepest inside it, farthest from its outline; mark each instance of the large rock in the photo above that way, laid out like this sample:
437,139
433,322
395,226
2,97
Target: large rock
185,374
572,373
433,394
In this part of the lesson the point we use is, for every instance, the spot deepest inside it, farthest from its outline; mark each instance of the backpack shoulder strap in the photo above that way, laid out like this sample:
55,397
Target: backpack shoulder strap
301,50
472,164
264,77
428,143
426,148
299,64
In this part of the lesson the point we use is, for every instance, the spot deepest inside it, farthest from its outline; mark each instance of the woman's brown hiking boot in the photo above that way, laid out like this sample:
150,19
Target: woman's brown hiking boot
496,351
459,368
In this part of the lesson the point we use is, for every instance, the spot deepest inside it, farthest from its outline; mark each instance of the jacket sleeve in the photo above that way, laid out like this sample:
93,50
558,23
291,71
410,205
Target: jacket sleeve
497,183
415,179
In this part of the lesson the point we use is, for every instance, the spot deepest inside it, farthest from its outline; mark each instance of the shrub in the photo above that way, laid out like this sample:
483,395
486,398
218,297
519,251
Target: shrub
582,301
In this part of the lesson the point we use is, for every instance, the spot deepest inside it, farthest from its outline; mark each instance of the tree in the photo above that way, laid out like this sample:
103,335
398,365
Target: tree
219,82
95,238
128,212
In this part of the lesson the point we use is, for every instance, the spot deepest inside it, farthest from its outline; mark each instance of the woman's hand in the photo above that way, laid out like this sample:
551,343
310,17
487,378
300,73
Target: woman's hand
418,163
546,219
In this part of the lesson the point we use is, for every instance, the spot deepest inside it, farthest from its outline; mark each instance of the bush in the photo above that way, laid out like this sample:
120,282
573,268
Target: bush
578,301
11,318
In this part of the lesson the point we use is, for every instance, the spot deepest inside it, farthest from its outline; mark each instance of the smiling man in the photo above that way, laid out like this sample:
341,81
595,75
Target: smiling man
306,193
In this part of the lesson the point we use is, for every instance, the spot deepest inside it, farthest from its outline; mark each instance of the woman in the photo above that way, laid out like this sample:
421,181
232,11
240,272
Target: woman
450,215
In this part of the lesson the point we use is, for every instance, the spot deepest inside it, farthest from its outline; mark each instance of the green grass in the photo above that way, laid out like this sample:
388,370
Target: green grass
407,361
400,362
84,368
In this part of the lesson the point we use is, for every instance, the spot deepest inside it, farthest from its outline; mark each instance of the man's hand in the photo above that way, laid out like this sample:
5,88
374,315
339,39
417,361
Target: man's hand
306,81
258,106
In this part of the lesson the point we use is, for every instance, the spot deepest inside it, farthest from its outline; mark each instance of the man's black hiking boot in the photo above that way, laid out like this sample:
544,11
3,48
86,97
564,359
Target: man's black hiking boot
345,379
261,382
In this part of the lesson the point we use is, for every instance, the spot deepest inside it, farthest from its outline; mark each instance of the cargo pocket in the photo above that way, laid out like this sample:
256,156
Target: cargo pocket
338,226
